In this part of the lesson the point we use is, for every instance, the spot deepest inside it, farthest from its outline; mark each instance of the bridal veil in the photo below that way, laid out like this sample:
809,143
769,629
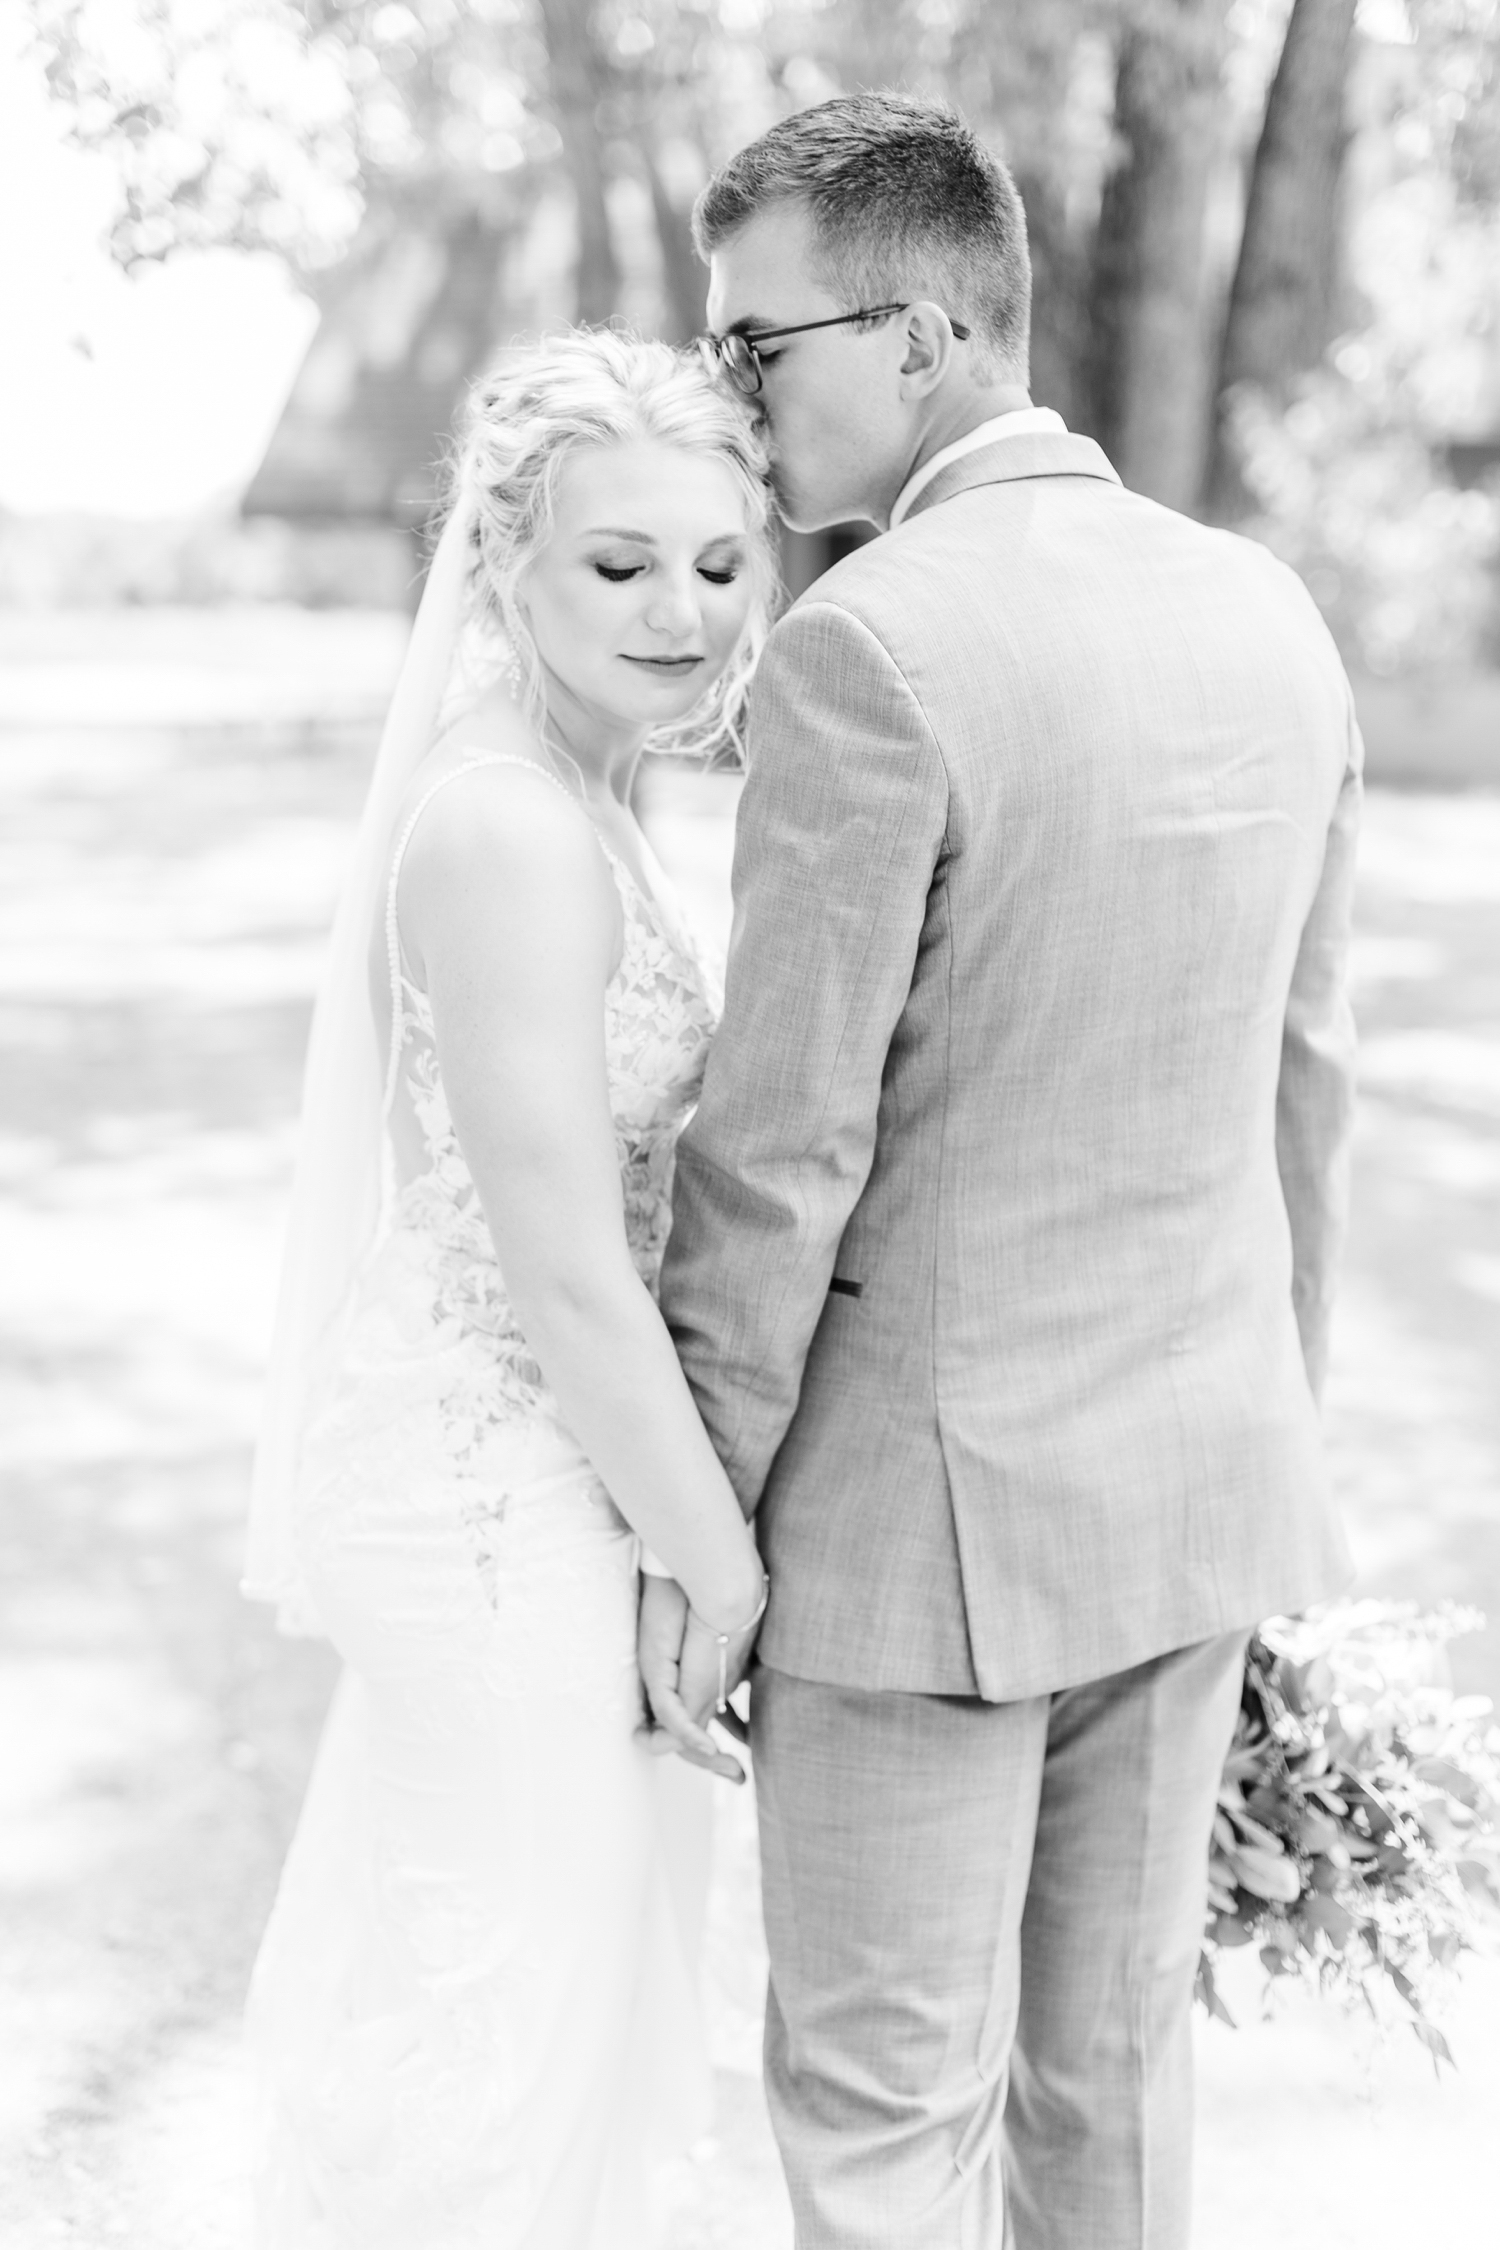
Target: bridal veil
336,1192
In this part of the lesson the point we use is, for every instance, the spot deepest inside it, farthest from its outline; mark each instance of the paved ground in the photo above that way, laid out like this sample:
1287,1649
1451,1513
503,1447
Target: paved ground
175,797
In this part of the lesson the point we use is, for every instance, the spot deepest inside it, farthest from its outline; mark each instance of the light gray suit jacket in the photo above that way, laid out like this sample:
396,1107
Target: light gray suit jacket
1004,1235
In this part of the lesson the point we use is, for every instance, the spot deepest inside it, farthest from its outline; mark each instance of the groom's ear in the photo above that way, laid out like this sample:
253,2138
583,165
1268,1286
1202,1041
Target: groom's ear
929,342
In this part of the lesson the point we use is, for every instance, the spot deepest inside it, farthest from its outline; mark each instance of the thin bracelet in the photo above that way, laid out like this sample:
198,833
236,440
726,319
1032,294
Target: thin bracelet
722,1640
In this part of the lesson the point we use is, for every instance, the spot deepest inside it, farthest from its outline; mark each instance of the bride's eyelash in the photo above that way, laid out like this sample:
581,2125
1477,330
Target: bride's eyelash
618,573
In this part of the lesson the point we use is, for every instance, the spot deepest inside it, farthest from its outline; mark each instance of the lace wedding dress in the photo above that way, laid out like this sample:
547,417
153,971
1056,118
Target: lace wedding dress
473,2017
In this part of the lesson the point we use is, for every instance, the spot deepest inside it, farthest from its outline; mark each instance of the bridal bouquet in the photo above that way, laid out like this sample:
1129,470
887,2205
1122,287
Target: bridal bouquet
1357,1836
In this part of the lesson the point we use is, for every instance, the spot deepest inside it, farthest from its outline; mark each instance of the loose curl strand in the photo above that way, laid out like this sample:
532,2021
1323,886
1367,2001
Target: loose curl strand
526,418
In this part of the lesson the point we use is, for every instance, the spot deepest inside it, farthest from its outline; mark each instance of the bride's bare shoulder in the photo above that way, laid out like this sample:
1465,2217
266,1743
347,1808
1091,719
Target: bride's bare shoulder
498,852
485,793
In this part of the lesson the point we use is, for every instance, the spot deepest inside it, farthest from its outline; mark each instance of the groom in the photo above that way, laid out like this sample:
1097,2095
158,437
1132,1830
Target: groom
1005,1233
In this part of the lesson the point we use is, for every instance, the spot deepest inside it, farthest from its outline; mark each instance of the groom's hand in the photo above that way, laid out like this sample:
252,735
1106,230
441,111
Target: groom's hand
667,1634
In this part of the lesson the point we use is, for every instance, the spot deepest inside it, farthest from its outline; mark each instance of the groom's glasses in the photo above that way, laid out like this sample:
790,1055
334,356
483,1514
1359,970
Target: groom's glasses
738,356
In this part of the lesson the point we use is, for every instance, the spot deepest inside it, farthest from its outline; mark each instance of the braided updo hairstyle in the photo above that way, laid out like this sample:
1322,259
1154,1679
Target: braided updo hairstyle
535,408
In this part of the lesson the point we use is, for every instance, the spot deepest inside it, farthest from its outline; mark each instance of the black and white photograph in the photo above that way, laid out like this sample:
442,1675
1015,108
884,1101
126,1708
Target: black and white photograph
750,1142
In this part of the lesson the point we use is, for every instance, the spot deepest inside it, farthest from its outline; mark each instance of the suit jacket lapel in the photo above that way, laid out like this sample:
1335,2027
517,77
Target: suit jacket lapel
1043,453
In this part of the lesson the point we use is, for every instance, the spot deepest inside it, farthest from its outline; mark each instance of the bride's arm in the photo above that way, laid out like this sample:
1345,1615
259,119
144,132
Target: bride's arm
510,917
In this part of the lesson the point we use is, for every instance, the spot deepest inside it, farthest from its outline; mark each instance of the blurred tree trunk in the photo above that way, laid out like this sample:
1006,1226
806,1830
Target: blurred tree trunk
1059,315
683,271
580,83
1281,306
407,318
1149,358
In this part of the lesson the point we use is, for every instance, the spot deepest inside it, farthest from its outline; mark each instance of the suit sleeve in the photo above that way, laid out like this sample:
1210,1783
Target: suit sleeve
1315,1094
840,829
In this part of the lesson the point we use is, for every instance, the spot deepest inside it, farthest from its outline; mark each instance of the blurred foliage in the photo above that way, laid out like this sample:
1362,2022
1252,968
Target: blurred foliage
268,124
1348,471
1398,557
229,124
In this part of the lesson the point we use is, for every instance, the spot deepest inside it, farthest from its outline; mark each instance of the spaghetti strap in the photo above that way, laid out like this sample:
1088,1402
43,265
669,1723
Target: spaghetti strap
392,933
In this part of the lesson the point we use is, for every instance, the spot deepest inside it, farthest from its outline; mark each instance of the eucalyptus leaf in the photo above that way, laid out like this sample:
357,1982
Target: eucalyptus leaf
1268,1874
1436,2045
1441,1773
1336,1922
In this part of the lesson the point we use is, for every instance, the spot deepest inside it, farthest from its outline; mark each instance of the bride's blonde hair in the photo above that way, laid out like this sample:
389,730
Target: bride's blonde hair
600,387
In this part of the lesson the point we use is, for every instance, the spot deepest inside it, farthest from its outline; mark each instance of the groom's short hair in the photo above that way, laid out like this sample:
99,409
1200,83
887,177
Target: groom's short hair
905,201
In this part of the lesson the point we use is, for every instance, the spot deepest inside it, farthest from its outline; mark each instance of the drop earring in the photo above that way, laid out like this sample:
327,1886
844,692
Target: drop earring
514,670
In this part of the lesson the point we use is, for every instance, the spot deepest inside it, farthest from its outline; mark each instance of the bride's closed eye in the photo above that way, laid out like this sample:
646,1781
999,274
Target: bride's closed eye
617,573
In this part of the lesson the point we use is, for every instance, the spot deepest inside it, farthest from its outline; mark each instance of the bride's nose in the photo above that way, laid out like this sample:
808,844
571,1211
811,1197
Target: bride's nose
673,607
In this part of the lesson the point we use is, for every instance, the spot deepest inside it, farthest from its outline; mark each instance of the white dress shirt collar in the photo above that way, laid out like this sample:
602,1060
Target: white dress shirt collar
1021,421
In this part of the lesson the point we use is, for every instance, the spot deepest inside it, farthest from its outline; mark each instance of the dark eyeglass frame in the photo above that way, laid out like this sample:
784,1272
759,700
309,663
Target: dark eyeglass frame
737,354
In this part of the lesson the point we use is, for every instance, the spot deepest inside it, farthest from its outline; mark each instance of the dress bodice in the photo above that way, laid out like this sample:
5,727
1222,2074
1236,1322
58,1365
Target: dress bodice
660,1008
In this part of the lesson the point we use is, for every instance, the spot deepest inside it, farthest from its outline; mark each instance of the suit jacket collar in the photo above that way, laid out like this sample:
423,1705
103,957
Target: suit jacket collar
1044,453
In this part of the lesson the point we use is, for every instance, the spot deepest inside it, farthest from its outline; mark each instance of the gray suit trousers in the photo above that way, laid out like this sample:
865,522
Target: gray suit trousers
983,1923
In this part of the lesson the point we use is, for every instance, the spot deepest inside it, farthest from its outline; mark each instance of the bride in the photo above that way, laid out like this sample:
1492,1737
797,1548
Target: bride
473,2014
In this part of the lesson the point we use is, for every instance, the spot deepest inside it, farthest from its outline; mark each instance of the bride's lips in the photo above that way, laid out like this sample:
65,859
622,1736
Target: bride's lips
667,664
